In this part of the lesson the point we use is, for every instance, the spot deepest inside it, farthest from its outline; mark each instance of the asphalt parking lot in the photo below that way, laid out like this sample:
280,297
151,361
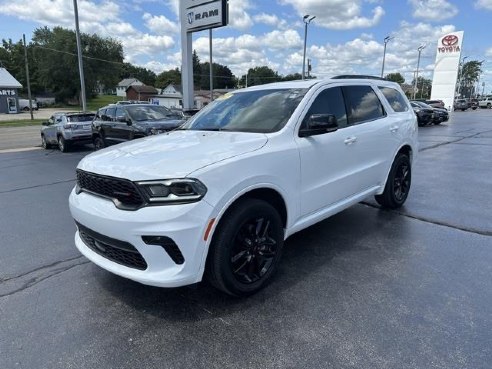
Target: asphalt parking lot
366,288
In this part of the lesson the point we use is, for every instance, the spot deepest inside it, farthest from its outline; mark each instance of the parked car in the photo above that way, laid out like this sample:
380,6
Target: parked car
486,102
425,116
219,196
65,129
439,115
128,102
436,103
460,104
119,123
24,104
473,103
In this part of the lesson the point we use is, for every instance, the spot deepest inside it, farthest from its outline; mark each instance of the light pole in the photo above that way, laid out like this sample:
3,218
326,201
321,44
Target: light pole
306,20
386,40
79,53
415,85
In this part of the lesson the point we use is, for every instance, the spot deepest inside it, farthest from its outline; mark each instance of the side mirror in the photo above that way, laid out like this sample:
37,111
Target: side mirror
45,123
319,124
122,119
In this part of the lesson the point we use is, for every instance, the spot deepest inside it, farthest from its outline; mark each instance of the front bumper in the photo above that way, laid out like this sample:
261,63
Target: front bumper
184,224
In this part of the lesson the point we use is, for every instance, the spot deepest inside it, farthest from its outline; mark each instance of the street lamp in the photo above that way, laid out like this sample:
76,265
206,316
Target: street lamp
420,48
386,40
307,19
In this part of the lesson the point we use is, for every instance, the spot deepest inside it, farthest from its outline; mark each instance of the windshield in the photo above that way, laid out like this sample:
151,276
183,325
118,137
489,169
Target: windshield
150,112
80,118
262,111
423,105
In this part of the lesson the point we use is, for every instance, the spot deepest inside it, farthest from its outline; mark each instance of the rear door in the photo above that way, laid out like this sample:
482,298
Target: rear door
49,131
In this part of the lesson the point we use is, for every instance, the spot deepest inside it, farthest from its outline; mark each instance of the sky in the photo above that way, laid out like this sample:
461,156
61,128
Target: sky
346,37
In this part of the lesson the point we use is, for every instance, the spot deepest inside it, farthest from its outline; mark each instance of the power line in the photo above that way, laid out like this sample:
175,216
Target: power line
73,54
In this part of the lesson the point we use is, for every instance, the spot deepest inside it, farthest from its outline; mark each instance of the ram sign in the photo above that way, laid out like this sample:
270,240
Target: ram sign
446,67
202,15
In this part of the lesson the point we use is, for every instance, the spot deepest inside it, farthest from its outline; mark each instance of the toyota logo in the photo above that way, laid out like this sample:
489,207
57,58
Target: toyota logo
450,40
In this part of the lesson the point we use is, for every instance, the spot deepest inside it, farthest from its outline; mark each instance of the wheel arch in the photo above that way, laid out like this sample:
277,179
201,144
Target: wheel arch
404,149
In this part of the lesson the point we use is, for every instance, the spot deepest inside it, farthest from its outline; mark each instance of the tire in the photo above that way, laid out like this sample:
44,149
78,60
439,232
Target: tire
246,248
63,145
45,145
99,143
26,108
489,106
398,184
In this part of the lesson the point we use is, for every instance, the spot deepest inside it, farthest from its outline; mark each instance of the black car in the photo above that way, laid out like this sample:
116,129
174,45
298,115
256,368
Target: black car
117,123
440,114
425,116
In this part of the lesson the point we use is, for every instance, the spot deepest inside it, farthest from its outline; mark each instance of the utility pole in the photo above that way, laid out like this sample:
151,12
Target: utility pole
79,53
27,76
211,67
420,48
386,40
306,20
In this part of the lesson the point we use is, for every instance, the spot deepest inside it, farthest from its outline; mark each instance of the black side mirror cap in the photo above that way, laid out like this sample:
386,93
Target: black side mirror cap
45,123
319,124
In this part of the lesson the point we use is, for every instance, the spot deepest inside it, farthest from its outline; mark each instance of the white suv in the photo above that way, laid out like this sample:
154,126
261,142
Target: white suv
219,196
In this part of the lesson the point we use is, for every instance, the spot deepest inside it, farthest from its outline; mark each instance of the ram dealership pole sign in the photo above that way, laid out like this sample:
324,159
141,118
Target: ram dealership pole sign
446,68
196,15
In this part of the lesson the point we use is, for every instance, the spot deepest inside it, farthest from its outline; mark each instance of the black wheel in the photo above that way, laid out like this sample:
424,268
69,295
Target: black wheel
246,248
26,108
438,122
99,143
489,106
398,184
44,143
62,144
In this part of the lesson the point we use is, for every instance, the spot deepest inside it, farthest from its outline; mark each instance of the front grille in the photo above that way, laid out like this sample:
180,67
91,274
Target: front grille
123,192
118,251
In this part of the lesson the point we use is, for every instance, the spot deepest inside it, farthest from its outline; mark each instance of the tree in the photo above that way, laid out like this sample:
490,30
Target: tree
197,70
172,76
468,76
292,77
395,77
222,77
260,76
424,87
56,58
144,75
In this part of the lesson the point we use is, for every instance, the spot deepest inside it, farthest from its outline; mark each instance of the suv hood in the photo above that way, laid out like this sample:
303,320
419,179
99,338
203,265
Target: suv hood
170,155
160,124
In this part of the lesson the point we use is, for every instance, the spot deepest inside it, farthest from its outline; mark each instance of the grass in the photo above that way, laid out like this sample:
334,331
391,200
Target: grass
92,104
22,123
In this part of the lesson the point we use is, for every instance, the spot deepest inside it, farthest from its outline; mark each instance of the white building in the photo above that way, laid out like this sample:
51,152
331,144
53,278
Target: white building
124,84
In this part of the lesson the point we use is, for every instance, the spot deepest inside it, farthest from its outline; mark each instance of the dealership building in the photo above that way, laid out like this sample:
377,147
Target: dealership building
9,97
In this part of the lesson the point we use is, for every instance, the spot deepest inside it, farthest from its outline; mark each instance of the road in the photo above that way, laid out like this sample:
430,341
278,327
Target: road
44,113
366,288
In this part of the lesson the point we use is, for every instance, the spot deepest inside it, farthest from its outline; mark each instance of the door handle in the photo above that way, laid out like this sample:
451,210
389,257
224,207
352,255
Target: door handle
394,128
350,140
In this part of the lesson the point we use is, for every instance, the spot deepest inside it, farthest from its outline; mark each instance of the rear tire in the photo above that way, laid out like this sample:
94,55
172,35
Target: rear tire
398,183
63,145
246,248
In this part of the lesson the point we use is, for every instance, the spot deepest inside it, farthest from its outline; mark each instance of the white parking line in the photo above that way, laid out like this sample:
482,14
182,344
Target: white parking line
20,149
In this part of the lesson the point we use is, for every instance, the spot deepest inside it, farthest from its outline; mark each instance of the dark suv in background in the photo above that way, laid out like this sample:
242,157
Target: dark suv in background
117,123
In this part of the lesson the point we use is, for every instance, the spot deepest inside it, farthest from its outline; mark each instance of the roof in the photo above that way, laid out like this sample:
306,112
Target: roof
143,89
127,82
178,88
7,80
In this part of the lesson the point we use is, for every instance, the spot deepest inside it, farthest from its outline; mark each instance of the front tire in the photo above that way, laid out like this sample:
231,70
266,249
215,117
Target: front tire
246,248
99,143
398,183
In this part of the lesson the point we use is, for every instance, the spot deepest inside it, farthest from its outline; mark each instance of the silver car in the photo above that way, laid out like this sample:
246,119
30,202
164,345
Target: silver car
65,129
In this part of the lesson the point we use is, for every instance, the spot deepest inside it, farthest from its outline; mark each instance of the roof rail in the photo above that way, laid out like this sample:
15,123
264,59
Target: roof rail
358,76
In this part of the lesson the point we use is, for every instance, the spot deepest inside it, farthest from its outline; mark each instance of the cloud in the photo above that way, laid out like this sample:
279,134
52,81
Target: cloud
433,10
271,20
484,4
337,14
160,24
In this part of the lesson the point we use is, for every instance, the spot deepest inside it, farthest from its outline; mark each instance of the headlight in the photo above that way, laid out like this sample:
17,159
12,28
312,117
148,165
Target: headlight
184,190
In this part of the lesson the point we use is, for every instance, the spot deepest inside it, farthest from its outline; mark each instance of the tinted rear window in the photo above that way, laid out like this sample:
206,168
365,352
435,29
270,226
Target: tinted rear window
80,118
395,99
362,104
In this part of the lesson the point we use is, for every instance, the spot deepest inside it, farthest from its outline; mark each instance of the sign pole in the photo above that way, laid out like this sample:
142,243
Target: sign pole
211,68
79,54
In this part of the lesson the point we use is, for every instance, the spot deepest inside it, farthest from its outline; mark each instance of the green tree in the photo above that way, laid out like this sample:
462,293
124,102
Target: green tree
468,76
395,77
424,87
144,75
172,76
260,76
222,77
197,70
292,77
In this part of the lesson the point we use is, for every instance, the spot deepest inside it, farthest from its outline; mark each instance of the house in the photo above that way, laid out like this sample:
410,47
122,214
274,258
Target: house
124,84
140,92
172,97
9,96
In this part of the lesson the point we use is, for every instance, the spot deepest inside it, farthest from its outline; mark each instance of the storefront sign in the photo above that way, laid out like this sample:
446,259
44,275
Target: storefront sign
7,92
202,15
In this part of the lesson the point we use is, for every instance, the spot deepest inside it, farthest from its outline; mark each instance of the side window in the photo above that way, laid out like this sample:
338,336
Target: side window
120,113
109,115
395,99
362,104
51,120
329,101
100,114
